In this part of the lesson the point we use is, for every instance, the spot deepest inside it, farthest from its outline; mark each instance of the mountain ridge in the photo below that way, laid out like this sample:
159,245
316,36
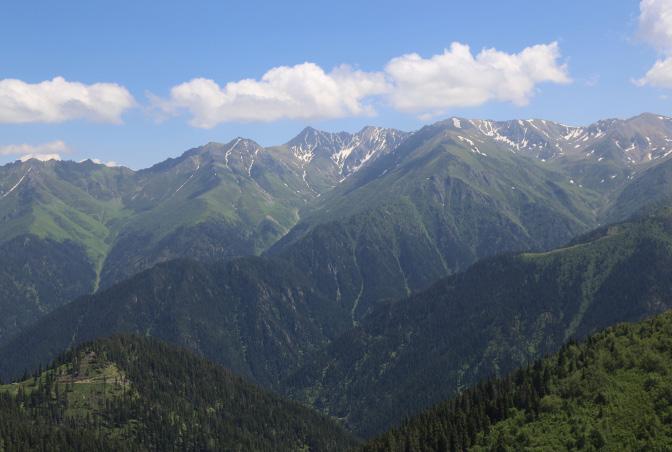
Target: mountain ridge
221,201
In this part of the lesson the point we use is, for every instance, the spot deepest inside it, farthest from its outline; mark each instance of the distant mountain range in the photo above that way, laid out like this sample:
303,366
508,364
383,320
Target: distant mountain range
268,322
212,203
633,141
371,216
460,190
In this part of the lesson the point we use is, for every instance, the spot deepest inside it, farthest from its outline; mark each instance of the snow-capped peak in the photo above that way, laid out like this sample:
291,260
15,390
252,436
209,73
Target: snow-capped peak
347,152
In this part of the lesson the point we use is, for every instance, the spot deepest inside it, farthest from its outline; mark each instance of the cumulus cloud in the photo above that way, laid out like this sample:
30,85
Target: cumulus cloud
304,91
659,75
655,24
409,83
655,28
59,100
45,151
457,78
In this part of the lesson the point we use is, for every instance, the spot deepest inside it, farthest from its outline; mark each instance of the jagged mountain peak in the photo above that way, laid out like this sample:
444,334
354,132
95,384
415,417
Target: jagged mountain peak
237,145
633,141
347,152
313,138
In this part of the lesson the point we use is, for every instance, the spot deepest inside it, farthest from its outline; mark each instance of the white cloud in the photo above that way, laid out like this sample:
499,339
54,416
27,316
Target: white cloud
304,91
655,24
457,78
659,75
110,164
40,157
59,100
655,27
45,151
408,83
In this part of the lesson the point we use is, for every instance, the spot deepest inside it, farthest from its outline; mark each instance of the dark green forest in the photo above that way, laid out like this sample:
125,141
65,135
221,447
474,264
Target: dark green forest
610,392
131,393
499,314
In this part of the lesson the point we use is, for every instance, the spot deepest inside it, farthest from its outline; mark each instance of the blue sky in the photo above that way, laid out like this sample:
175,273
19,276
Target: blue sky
147,48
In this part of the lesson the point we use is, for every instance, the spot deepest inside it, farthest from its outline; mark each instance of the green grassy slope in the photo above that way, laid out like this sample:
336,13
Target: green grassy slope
90,225
80,202
56,220
214,202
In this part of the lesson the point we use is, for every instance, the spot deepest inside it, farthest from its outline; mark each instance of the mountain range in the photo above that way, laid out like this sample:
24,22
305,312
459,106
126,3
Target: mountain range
367,275
406,210
213,202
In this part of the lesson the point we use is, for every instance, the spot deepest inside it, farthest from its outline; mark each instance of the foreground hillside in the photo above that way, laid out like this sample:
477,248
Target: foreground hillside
611,392
501,313
129,393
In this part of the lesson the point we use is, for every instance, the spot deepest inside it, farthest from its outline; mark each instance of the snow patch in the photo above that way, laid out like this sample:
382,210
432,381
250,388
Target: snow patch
17,184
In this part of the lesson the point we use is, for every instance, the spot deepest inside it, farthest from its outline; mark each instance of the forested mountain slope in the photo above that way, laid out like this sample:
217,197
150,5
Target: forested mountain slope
611,392
407,211
132,393
500,313
36,276
257,317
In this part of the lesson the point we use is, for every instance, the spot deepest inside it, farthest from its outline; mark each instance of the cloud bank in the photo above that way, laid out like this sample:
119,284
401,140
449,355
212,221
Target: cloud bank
409,83
655,28
59,100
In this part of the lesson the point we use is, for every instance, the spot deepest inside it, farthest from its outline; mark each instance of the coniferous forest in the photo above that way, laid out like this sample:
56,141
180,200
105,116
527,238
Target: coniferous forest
132,393
609,392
